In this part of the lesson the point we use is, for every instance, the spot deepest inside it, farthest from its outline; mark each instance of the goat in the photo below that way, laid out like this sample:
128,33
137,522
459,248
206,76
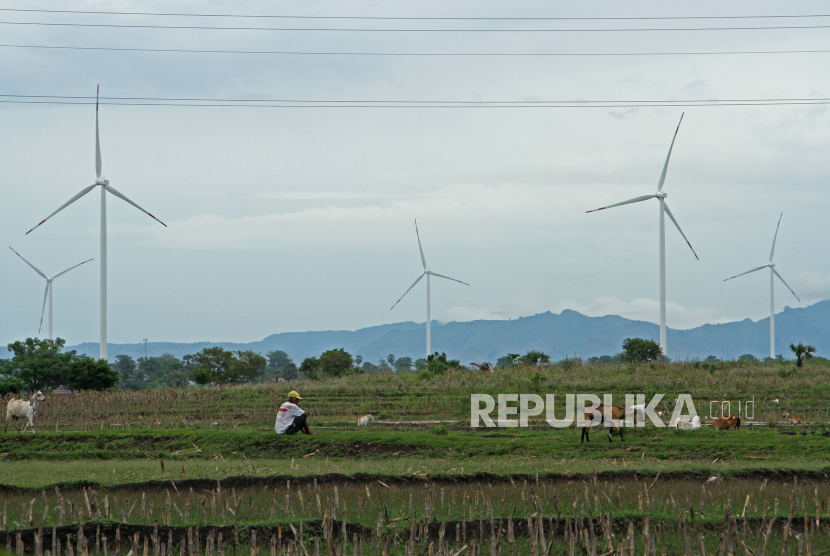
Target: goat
21,409
791,420
775,402
686,425
727,422
617,414
365,420
486,367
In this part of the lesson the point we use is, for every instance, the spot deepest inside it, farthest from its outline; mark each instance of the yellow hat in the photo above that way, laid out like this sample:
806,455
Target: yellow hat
294,394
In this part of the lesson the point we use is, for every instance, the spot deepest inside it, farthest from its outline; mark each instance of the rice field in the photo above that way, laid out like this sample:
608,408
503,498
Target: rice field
528,516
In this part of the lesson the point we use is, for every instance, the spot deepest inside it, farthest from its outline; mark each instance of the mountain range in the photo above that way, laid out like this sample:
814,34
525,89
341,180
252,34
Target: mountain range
568,333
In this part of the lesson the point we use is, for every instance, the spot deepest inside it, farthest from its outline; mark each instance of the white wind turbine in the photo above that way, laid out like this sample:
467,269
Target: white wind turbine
427,272
105,187
48,292
772,274
664,209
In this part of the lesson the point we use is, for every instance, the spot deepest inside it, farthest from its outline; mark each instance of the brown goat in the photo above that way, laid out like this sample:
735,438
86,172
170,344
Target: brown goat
727,422
617,415
791,420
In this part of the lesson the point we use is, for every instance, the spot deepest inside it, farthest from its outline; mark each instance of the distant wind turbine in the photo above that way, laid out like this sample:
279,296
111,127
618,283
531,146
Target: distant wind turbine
427,272
48,292
772,274
105,187
664,209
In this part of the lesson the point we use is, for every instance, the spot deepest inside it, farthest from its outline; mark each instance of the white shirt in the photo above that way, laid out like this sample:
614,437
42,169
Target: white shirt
286,416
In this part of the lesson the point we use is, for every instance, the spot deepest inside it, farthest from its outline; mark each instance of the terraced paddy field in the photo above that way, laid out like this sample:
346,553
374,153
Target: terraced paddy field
202,471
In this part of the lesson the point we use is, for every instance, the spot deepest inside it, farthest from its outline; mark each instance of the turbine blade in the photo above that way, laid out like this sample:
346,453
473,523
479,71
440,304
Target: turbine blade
97,142
668,211
786,284
448,278
36,269
628,202
407,291
771,253
115,192
43,310
83,192
70,268
748,271
423,259
668,156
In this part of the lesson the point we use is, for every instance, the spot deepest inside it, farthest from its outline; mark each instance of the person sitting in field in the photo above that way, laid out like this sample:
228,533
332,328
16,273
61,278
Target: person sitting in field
291,418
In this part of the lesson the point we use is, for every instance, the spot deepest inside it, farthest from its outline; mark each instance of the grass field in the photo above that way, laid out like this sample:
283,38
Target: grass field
422,480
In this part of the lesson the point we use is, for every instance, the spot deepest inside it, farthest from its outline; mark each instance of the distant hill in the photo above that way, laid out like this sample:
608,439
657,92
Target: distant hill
568,333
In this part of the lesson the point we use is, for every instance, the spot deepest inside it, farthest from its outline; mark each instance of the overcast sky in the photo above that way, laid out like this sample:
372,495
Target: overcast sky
294,219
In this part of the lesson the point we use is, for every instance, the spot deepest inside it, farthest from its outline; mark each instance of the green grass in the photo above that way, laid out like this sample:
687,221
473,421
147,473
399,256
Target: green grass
396,450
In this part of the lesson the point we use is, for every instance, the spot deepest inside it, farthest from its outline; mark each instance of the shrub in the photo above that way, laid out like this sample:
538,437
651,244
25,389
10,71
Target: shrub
11,385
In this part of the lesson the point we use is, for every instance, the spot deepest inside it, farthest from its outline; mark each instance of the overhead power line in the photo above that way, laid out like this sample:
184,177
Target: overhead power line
417,18
411,30
336,103
434,54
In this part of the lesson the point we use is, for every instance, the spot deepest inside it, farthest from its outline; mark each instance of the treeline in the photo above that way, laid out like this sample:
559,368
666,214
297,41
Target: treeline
43,365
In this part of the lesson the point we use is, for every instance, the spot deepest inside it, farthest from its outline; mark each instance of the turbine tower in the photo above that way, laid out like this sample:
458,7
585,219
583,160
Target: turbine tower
772,274
105,187
427,272
664,209
48,292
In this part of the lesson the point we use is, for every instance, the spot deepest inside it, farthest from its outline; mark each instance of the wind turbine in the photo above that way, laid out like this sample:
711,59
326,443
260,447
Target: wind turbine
772,274
427,272
664,209
105,187
48,292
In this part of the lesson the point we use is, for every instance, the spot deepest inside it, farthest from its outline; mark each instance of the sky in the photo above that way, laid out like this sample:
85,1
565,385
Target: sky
303,217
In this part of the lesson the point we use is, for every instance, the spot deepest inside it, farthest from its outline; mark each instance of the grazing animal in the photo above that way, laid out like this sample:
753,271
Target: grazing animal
365,420
775,402
686,425
727,422
791,420
617,415
21,409
486,367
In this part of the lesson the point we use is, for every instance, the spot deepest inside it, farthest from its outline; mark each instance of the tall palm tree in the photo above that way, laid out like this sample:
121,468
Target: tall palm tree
802,352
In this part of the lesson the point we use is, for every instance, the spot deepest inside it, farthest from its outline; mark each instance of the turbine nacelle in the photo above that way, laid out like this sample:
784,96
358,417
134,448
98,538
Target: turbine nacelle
661,195
102,181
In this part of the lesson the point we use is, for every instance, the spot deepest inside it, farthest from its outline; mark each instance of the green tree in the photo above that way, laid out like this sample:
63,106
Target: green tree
310,367
40,364
87,373
215,365
277,358
420,364
336,363
391,360
279,365
637,350
163,371
358,360
534,358
748,358
127,369
403,364
438,365
802,352
368,368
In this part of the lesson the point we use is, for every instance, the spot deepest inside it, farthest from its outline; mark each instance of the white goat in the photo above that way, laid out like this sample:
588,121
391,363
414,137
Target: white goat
21,409
686,425
365,420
